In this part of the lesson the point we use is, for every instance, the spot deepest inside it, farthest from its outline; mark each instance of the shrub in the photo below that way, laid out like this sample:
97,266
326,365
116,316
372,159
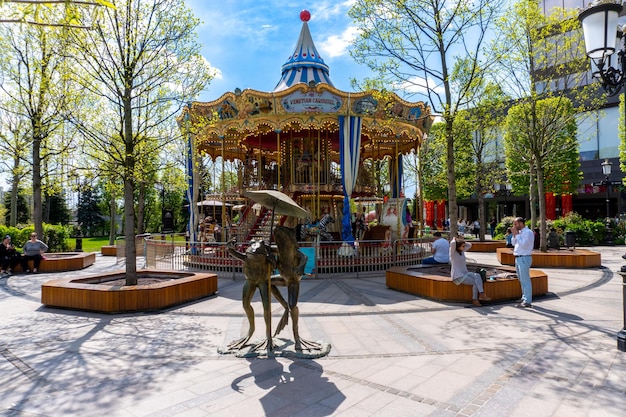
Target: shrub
588,232
55,236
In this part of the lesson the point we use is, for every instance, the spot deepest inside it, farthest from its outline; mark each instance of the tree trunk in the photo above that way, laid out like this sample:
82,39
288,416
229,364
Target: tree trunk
141,204
15,183
37,206
452,206
113,222
542,209
129,198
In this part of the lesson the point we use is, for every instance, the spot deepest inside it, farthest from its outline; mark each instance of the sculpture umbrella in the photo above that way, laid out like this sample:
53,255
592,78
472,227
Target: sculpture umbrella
278,202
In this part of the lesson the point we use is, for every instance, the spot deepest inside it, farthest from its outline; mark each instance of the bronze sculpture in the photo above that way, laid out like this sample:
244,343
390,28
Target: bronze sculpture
291,262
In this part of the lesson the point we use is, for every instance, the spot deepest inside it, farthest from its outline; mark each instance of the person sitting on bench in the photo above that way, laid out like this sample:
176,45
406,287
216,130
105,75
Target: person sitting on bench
33,249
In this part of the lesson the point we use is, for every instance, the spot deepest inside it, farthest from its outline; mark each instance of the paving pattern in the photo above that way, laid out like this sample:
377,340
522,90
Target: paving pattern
392,354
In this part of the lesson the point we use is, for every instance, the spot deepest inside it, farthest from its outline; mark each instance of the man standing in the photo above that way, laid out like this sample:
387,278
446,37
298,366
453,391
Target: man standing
523,240
441,251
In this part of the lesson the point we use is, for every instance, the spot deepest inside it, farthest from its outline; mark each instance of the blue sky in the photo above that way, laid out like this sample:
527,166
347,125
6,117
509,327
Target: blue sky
247,41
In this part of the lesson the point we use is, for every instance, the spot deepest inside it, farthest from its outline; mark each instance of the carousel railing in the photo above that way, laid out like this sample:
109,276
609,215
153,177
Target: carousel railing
332,259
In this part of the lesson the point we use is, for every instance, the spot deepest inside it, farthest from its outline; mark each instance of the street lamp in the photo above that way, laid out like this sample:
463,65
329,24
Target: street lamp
602,39
606,170
506,190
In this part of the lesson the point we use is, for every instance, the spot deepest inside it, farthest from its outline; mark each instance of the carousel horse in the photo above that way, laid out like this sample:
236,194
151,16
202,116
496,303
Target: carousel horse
290,264
258,262
304,231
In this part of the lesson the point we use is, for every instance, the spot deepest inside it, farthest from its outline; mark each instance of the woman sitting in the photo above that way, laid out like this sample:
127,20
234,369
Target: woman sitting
33,249
460,274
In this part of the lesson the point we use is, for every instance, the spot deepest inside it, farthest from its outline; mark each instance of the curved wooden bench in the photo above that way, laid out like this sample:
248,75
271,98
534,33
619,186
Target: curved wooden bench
577,258
109,250
63,261
93,294
426,281
487,245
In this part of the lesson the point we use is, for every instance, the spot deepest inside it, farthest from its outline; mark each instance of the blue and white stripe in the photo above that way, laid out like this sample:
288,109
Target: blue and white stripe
349,155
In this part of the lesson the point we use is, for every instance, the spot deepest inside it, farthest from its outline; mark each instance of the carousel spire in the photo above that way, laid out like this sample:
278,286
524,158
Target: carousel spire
304,64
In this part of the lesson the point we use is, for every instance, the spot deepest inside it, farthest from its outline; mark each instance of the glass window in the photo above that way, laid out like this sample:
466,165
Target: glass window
588,135
608,134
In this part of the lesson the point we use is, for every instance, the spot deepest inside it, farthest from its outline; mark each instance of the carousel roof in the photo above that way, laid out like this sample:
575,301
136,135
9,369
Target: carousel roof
242,121
305,64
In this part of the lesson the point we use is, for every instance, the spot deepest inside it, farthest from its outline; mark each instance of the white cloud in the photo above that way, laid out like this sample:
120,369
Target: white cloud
337,45
419,85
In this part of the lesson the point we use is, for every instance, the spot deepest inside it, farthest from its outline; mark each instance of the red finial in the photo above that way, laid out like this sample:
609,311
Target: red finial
305,16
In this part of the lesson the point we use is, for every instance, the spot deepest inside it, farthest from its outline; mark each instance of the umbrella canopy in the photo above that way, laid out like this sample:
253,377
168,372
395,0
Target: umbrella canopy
278,202
213,203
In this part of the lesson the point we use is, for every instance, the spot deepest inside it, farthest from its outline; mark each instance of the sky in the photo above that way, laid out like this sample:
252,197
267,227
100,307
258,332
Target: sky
248,41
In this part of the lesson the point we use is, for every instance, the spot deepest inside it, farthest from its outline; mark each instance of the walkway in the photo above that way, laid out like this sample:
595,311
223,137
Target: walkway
392,354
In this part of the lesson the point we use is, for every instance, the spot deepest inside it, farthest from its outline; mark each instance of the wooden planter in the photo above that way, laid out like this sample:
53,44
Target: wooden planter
93,294
577,258
424,282
63,261
487,245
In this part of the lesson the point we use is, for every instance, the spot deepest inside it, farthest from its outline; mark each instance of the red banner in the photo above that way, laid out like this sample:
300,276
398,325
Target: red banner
429,206
441,213
550,206
566,204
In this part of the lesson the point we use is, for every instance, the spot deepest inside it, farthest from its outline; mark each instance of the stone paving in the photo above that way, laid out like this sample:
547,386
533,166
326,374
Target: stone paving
392,354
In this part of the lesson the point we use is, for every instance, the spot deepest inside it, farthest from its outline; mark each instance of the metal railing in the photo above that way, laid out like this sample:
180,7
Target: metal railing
330,259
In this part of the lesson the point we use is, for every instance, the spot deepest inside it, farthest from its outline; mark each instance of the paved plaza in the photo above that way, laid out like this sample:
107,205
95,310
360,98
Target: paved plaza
392,354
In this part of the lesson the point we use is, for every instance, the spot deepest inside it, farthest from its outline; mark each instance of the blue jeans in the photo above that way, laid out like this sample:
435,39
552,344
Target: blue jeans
473,279
522,266
430,261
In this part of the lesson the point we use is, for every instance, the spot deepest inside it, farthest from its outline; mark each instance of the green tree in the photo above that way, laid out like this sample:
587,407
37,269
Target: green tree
418,46
542,160
532,55
57,207
143,59
22,207
480,128
14,153
35,83
88,212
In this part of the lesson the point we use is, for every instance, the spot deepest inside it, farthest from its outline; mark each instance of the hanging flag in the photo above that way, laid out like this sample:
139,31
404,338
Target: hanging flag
395,176
191,186
349,155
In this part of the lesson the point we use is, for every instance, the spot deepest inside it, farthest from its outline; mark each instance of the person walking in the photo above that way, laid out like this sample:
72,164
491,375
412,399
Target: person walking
460,274
523,241
440,250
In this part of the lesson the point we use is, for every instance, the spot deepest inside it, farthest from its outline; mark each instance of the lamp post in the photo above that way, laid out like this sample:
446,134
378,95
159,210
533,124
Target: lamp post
606,170
602,40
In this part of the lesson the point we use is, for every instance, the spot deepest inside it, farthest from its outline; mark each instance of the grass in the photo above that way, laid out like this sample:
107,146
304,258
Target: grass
94,244
91,244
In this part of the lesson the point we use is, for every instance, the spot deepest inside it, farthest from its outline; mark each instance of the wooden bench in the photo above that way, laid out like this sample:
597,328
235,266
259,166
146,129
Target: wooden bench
487,245
577,258
434,283
62,261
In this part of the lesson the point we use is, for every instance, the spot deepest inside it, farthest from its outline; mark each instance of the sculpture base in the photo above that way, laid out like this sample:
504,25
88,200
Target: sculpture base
621,340
282,348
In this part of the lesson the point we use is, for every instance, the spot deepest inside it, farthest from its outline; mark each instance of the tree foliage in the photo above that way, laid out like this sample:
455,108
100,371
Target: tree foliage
537,61
430,48
142,60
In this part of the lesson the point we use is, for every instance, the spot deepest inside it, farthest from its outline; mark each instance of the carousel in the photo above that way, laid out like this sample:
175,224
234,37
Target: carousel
306,138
